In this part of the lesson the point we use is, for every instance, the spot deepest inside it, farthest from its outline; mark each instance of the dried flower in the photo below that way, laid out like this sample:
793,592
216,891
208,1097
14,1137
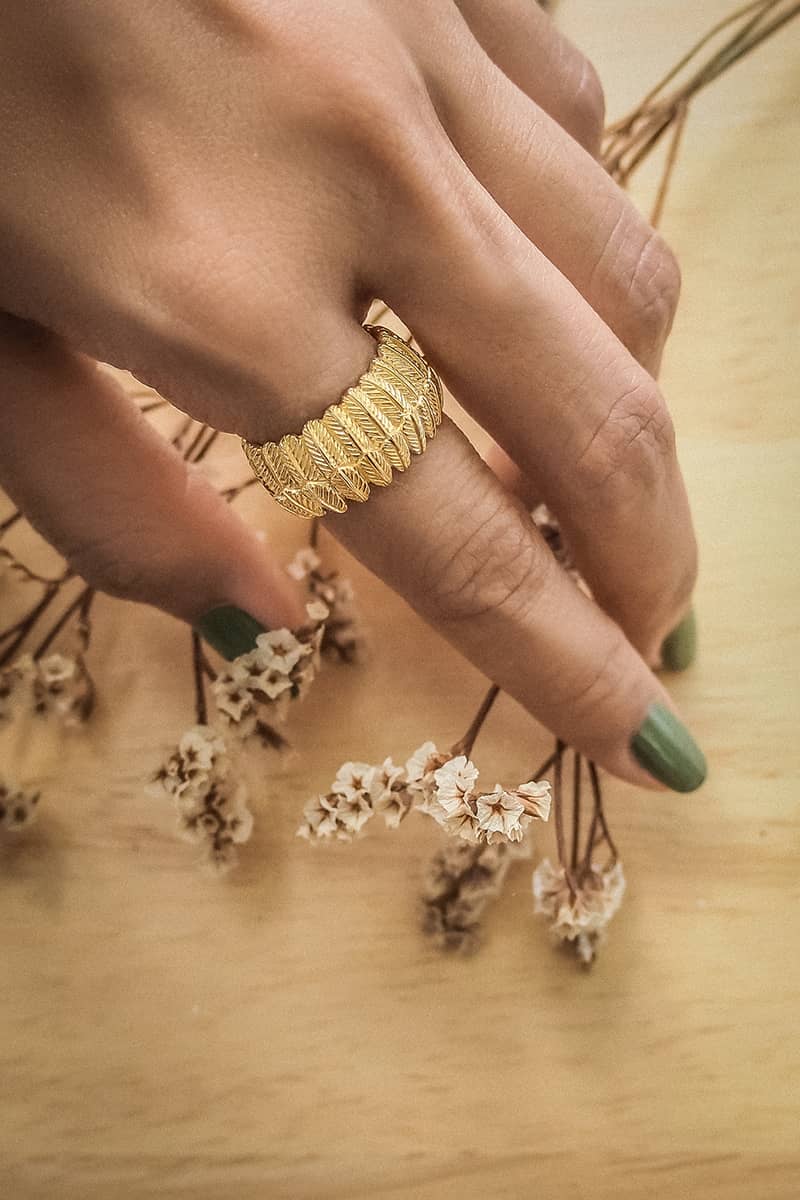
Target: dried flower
16,683
254,692
579,915
211,804
501,815
432,783
57,686
461,881
18,807
344,633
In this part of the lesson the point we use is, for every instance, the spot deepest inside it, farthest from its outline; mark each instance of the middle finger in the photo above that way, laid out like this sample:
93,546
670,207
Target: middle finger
557,194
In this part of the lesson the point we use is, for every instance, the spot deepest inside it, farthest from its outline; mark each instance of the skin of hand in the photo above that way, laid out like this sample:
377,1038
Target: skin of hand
210,193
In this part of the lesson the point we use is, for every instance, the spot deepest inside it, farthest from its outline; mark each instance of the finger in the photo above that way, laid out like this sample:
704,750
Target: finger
557,194
466,555
526,355
522,40
119,503
449,538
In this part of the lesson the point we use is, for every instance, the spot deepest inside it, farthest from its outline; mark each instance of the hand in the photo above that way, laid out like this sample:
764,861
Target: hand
210,195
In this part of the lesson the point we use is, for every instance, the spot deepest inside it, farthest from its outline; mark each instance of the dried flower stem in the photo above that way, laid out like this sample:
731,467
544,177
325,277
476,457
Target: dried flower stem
599,811
200,667
25,571
669,166
10,521
20,630
576,807
205,446
465,744
630,140
231,493
81,604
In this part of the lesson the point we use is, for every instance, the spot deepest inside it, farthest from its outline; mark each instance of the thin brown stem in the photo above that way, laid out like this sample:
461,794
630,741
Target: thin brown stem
206,446
7,524
22,569
313,536
630,140
184,427
195,442
576,807
465,744
18,632
77,605
684,61
200,706
558,811
601,816
232,493
669,165
545,766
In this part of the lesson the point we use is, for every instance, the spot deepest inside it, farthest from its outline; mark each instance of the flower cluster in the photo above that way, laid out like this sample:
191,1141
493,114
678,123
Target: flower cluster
578,914
460,882
211,805
358,792
57,685
257,688
344,633
17,807
443,787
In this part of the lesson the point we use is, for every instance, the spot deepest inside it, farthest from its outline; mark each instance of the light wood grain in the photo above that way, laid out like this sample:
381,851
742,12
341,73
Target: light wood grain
287,1033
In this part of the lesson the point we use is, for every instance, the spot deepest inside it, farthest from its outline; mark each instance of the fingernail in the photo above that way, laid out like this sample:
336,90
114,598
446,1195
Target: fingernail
230,630
666,749
680,646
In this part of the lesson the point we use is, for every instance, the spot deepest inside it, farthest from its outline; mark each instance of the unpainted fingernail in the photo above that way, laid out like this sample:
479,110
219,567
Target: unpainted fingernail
665,748
680,647
230,630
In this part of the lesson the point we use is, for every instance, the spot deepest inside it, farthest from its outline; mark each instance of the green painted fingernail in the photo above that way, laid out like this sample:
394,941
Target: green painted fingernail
679,648
666,749
230,630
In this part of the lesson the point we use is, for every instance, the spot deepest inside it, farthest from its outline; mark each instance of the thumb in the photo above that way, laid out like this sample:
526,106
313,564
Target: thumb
121,505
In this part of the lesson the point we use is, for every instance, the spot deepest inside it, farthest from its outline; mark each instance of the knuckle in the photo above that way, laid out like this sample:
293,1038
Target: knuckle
585,111
633,442
653,290
495,566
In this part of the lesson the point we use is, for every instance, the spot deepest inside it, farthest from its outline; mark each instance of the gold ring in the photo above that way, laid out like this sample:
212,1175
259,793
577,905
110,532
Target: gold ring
390,414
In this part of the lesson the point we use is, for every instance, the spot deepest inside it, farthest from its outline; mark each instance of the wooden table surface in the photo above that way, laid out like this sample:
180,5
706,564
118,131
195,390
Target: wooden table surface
287,1032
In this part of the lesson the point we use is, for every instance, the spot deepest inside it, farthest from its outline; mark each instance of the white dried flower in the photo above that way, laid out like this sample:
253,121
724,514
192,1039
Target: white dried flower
320,818
56,668
353,780
536,798
317,610
343,632
210,803
255,691
53,686
18,807
441,787
304,562
580,917
501,816
455,780
389,793
277,650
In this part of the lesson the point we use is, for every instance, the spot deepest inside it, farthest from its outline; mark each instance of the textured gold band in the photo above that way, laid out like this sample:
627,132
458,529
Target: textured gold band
382,420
